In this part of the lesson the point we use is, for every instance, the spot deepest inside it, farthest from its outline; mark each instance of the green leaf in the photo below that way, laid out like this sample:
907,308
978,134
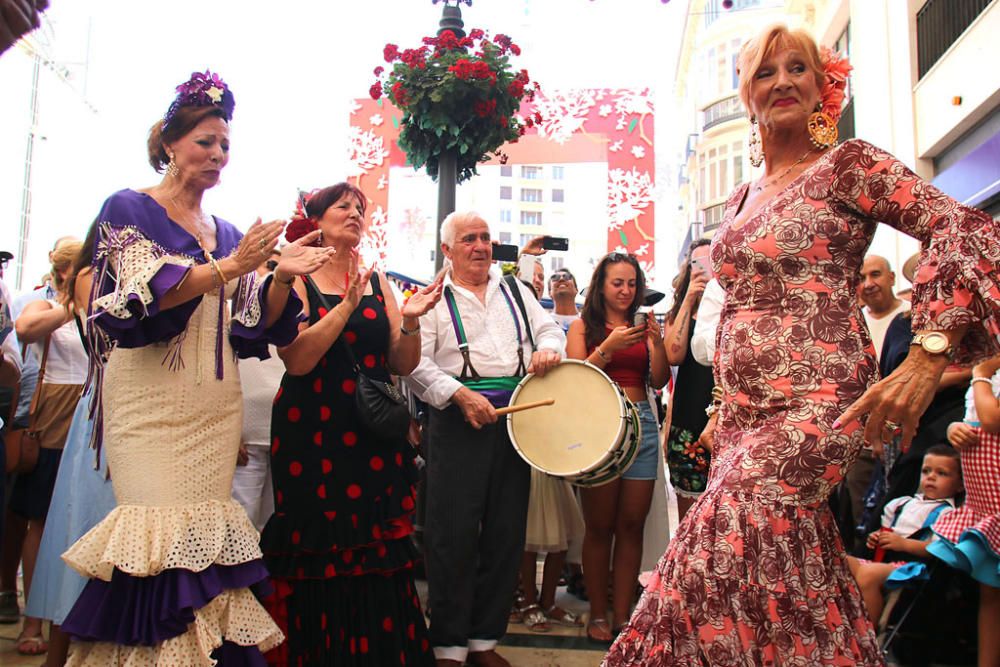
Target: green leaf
379,101
631,126
395,122
621,235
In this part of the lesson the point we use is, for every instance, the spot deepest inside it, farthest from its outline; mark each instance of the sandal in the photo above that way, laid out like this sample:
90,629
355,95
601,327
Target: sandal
561,616
599,631
534,618
31,645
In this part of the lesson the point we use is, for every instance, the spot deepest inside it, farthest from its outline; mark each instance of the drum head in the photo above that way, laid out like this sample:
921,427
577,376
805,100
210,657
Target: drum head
580,431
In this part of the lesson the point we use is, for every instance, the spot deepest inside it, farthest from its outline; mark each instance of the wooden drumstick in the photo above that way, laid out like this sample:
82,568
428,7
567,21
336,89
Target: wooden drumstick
526,406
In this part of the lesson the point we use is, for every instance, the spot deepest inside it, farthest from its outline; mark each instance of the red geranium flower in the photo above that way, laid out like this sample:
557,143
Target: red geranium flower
390,53
375,91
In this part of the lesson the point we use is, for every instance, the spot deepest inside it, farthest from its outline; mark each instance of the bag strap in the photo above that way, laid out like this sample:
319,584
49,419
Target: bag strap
326,304
33,409
515,290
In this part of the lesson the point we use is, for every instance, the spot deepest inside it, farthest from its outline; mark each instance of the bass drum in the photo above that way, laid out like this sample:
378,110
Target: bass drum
590,436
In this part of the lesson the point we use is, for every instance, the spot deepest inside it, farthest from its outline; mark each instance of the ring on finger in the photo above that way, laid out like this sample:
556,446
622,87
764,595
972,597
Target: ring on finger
262,243
893,427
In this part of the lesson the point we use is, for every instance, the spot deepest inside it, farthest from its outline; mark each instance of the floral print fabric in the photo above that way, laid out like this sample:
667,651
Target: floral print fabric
756,573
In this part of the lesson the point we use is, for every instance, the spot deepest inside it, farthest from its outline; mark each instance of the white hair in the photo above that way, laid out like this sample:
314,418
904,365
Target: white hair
452,219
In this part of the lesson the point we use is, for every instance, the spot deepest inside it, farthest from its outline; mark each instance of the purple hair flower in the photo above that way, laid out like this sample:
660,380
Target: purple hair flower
202,90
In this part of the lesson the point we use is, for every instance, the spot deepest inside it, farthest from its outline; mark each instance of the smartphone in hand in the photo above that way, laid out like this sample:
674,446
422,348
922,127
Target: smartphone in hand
555,243
639,319
505,252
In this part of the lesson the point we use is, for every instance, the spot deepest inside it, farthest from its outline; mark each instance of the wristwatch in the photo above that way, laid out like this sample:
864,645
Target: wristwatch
934,342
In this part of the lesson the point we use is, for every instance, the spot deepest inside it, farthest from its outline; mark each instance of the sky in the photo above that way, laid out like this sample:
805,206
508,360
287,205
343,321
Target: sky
293,67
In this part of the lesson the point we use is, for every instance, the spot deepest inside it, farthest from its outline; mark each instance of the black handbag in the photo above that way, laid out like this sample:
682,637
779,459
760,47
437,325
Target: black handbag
382,408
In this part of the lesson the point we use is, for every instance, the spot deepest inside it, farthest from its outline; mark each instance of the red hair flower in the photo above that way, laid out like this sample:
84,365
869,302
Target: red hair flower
832,95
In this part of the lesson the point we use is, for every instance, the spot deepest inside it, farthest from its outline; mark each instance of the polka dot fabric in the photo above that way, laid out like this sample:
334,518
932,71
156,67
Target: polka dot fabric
338,545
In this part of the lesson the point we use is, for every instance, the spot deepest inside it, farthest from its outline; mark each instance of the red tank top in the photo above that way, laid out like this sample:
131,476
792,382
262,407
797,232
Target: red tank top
628,367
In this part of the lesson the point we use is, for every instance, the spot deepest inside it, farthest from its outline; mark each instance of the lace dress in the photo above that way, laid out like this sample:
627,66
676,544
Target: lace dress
756,573
171,566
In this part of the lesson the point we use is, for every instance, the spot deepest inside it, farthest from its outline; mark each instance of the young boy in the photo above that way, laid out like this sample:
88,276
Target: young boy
906,524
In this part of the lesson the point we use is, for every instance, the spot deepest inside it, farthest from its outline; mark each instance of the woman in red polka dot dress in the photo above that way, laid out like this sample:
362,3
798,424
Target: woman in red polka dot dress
338,545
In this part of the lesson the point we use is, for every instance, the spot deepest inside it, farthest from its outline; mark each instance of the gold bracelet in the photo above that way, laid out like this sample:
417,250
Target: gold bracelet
287,285
215,274
218,269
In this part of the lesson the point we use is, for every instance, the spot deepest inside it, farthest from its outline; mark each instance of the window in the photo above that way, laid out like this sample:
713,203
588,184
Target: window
557,263
531,173
737,149
505,215
504,237
558,173
506,170
526,238
506,192
531,217
558,195
531,194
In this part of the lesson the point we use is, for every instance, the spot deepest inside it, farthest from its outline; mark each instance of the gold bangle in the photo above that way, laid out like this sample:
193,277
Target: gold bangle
218,269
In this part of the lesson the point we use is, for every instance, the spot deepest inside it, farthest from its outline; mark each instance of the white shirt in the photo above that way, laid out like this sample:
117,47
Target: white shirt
564,320
707,321
260,381
914,514
877,326
67,362
491,334
971,416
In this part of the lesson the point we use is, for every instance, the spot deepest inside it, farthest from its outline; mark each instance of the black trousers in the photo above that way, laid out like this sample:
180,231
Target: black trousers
477,504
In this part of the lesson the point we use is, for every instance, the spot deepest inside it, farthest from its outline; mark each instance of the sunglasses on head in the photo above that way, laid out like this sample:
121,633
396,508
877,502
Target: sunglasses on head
561,276
619,256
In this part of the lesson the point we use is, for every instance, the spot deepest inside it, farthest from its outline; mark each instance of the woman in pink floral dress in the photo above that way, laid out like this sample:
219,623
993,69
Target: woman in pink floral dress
756,574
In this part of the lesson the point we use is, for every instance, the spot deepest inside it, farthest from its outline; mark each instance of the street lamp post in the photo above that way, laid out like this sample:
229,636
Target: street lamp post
451,19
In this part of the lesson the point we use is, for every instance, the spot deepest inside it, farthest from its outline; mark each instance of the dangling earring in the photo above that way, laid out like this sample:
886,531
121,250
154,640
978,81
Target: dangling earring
172,170
822,129
756,147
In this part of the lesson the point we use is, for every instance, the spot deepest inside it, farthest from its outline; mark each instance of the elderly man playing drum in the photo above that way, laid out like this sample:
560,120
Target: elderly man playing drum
478,342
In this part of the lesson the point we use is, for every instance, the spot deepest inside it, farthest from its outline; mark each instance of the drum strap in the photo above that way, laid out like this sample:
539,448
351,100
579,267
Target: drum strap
468,370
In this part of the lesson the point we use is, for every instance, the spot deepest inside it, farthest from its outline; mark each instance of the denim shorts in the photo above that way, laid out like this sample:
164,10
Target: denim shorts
645,464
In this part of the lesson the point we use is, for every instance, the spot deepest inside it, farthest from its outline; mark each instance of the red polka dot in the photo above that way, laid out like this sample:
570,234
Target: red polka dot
351,337
322,311
348,386
330,516
354,491
399,459
296,537
322,621
411,631
402,657
347,555
278,395
295,468
324,413
327,466
369,313
387,624
279,497
328,642
318,438
318,385
376,463
330,570
294,414
370,360
363,644
377,532
424,644
388,490
321,491
407,503
354,520
353,646
275,445
350,438
380,550
379,297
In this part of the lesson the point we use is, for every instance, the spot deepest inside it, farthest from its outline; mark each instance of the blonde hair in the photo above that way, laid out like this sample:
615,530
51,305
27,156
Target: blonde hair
63,257
773,37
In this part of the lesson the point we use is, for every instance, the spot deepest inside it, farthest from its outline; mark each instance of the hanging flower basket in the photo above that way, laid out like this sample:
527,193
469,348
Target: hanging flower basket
457,95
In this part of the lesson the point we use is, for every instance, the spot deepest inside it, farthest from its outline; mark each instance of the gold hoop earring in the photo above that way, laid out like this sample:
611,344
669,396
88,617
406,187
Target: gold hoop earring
172,170
756,148
822,130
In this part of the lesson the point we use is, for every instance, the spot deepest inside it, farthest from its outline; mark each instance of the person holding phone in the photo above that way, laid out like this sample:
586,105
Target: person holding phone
631,352
687,456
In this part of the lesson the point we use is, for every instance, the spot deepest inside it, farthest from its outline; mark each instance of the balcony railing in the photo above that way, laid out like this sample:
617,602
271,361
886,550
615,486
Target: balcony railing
939,24
726,109
712,217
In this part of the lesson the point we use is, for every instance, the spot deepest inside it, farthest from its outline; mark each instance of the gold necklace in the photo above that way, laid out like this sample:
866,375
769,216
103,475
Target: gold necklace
761,186
198,232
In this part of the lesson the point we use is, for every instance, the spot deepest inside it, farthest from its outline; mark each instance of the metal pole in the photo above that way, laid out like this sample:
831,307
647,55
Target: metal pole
25,222
447,184
451,19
